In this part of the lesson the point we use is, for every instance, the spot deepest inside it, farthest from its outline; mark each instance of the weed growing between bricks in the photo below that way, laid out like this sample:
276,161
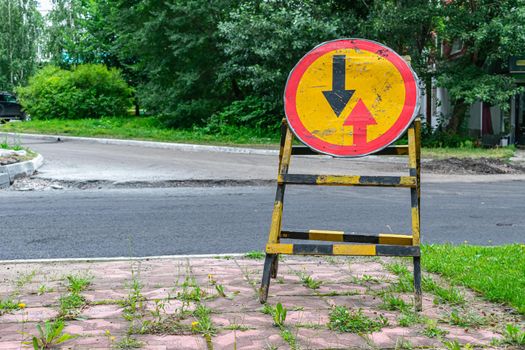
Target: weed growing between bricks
13,301
354,321
194,310
50,333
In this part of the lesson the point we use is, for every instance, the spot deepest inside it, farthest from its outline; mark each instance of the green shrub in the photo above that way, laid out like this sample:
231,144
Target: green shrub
440,138
434,138
251,112
87,91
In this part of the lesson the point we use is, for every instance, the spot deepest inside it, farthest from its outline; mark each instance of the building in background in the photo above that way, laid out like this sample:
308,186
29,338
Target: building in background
489,124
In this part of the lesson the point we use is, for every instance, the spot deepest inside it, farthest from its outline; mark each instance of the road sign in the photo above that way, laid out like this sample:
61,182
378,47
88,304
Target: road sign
351,97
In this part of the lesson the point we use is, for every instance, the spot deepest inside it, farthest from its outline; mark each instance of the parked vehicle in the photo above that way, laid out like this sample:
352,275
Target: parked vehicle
10,109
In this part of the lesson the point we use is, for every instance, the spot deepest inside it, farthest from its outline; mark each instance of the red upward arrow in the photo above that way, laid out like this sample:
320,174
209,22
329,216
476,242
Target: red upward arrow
360,118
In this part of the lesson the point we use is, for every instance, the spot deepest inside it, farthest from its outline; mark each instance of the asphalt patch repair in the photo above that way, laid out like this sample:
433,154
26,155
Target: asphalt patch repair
466,166
448,166
211,303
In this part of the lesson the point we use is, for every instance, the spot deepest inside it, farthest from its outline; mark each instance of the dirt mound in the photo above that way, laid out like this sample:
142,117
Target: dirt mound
472,166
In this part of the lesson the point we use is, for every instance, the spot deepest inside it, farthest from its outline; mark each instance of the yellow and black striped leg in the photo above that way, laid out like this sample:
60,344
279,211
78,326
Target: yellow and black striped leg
267,272
418,299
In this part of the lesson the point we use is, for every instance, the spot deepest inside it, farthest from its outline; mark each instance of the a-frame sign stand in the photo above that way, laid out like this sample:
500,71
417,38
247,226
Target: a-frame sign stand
381,244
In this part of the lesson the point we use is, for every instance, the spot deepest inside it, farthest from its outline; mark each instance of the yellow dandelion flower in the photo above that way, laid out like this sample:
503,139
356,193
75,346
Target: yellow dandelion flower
22,305
210,276
194,325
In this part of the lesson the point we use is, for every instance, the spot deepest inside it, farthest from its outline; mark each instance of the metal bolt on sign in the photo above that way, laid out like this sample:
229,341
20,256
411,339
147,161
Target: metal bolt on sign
349,98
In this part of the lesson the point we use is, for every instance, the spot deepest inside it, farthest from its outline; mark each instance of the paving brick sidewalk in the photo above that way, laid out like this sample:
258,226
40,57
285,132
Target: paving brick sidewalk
154,301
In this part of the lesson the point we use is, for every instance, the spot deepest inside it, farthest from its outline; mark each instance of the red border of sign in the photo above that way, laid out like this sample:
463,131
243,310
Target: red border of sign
408,113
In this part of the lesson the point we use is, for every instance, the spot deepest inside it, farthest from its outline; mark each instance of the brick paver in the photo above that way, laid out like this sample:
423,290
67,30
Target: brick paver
163,315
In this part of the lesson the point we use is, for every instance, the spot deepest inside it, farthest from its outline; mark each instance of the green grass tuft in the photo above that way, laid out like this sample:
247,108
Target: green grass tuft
255,254
343,320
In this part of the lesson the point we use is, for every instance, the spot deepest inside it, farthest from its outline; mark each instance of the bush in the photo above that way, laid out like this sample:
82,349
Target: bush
87,91
441,138
188,113
252,112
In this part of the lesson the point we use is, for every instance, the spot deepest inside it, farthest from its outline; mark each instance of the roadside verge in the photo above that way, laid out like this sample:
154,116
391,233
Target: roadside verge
150,144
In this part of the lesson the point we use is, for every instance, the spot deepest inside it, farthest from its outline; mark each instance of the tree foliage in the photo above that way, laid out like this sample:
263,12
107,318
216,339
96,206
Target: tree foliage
490,32
225,62
20,33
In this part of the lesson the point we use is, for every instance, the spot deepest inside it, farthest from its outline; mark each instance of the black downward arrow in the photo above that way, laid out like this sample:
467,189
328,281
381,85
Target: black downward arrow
338,97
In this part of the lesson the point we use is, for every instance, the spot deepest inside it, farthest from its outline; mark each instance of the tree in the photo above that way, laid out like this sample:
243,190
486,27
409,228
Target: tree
174,45
263,40
76,32
20,29
490,33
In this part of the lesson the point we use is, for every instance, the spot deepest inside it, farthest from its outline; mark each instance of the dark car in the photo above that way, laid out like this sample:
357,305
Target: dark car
10,109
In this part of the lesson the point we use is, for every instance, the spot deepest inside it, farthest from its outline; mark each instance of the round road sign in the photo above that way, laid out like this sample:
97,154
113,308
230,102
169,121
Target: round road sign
351,97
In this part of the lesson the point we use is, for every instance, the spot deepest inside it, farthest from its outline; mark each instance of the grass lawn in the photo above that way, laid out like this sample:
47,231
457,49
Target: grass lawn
140,128
469,152
498,272
148,128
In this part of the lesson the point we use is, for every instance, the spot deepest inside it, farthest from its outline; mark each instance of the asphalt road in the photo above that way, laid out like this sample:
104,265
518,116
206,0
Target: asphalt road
78,160
149,222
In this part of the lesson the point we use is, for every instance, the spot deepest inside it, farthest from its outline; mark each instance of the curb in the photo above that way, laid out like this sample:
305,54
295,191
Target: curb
150,144
121,258
9,173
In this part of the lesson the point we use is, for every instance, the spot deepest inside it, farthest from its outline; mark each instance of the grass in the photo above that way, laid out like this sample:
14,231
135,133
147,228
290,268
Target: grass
238,327
408,318
203,325
128,343
393,303
7,305
255,255
344,320
191,291
140,128
72,303
466,319
495,272
468,152
150,129
289,338
50,335
77,284
431,330
12,146
513,335
309,282
134,302
451,295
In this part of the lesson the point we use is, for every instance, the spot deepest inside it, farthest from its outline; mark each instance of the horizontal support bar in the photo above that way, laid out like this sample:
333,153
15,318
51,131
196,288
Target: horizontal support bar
347,180
388,151
342,249
340,236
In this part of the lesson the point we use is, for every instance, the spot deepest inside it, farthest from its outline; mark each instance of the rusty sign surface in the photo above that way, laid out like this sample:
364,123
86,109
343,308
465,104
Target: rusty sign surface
351,97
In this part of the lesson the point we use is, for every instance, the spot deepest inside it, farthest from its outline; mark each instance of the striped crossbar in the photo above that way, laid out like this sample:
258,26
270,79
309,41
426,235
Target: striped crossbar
396,150
340,236
345,180
342,249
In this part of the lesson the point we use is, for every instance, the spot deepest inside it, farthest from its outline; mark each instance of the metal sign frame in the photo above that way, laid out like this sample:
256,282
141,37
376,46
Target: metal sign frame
382,244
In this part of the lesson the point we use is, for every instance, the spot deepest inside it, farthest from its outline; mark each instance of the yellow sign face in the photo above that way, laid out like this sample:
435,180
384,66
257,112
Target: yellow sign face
350,97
